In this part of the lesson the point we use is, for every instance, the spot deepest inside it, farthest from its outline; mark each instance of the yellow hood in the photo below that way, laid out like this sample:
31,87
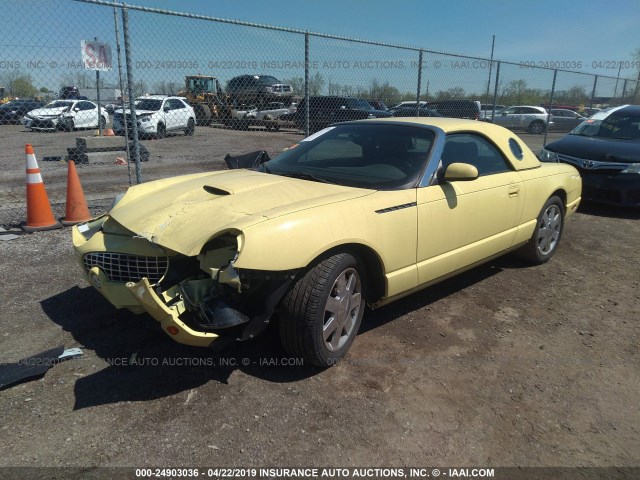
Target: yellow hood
182,213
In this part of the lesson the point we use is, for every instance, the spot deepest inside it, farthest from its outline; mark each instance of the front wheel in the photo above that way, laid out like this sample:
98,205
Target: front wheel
546,236
161,131
191,127
322,311
69,125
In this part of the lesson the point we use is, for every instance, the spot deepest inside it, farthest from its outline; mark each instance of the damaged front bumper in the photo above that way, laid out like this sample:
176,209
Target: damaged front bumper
196,300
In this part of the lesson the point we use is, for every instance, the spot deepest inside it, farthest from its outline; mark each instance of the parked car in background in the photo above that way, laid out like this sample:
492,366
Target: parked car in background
65,115
523,117
486,110
378,105
565,120
362,213
259,90
14,110
270,111
606,151
415,112
157,115
422,103
587,112
325,110
469,109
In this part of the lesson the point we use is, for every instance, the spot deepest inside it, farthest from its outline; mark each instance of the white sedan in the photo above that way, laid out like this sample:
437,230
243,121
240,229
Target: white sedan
65,115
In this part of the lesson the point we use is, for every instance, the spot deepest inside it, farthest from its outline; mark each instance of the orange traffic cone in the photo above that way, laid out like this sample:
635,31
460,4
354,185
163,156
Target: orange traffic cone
39,214
76,210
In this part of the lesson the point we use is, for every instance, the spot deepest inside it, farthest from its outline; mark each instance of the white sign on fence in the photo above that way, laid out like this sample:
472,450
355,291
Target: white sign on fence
96,55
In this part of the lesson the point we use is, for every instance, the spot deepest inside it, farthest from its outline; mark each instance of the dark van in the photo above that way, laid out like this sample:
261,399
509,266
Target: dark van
456,108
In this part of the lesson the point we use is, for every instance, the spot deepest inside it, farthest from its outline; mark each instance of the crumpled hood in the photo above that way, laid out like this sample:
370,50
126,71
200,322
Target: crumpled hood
182,213
47,112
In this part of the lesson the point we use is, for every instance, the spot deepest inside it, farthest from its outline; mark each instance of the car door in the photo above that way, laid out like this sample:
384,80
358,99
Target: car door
177,115
509,117
87,114
461,223
561,122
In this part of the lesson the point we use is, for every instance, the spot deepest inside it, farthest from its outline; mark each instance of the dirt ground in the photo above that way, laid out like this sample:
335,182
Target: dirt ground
505,365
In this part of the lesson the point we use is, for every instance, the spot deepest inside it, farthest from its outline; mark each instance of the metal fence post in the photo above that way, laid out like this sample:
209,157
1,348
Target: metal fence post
419,83
132,110
121,84
593,94
553,89
98,98
306,84
495,92
624,89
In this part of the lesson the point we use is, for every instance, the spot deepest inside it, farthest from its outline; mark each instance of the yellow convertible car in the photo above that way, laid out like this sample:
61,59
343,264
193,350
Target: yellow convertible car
360,213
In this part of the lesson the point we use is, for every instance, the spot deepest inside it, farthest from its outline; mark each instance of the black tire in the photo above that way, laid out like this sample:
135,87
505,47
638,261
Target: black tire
69,125
547,234
103,122
306,311
191,127
536,127
161,131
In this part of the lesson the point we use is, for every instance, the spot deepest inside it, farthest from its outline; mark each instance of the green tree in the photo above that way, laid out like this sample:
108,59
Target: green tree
451,94
23,87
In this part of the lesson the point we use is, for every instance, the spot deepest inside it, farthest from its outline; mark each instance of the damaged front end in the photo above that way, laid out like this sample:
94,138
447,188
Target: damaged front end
195,299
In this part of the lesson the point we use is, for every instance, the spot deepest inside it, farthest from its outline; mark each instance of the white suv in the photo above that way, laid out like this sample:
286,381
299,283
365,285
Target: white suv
523,117
157,115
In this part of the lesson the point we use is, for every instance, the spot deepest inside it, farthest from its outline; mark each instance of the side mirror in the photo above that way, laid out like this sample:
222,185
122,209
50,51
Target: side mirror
504,114
460,172
76,109
166,109
342,107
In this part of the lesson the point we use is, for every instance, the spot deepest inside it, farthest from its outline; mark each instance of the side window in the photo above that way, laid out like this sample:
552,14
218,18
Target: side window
476,150
510,111
175,104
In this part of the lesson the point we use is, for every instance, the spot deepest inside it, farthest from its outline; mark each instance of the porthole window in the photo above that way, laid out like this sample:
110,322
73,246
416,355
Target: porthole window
516,149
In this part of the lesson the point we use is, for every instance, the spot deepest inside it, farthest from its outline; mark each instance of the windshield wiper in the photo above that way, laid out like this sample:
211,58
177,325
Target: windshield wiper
305,176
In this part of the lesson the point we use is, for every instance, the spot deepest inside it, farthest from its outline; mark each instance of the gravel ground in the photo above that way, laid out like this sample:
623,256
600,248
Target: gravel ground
506,365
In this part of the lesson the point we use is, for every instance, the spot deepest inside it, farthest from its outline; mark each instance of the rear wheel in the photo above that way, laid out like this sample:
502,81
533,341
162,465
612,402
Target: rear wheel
103,122
536,127
322,311
546,237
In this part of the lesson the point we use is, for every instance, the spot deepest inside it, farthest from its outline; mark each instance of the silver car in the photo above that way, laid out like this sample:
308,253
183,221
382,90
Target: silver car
524,117
565,120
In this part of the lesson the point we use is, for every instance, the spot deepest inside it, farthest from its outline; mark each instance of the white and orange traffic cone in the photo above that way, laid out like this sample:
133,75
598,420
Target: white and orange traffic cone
39,214
76,210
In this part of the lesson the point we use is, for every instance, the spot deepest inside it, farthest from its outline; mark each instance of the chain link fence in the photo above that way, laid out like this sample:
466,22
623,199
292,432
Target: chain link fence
186,89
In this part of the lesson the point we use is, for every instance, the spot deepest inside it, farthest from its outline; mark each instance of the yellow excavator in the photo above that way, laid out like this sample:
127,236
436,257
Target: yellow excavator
3,96
207,98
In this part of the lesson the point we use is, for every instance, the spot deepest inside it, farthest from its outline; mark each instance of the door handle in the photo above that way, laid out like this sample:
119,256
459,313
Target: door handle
514,190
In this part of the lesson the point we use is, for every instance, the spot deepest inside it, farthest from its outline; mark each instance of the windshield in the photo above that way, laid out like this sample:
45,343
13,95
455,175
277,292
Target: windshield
373,156
59,104
268,80
148,104
359,104
201,85
618,125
